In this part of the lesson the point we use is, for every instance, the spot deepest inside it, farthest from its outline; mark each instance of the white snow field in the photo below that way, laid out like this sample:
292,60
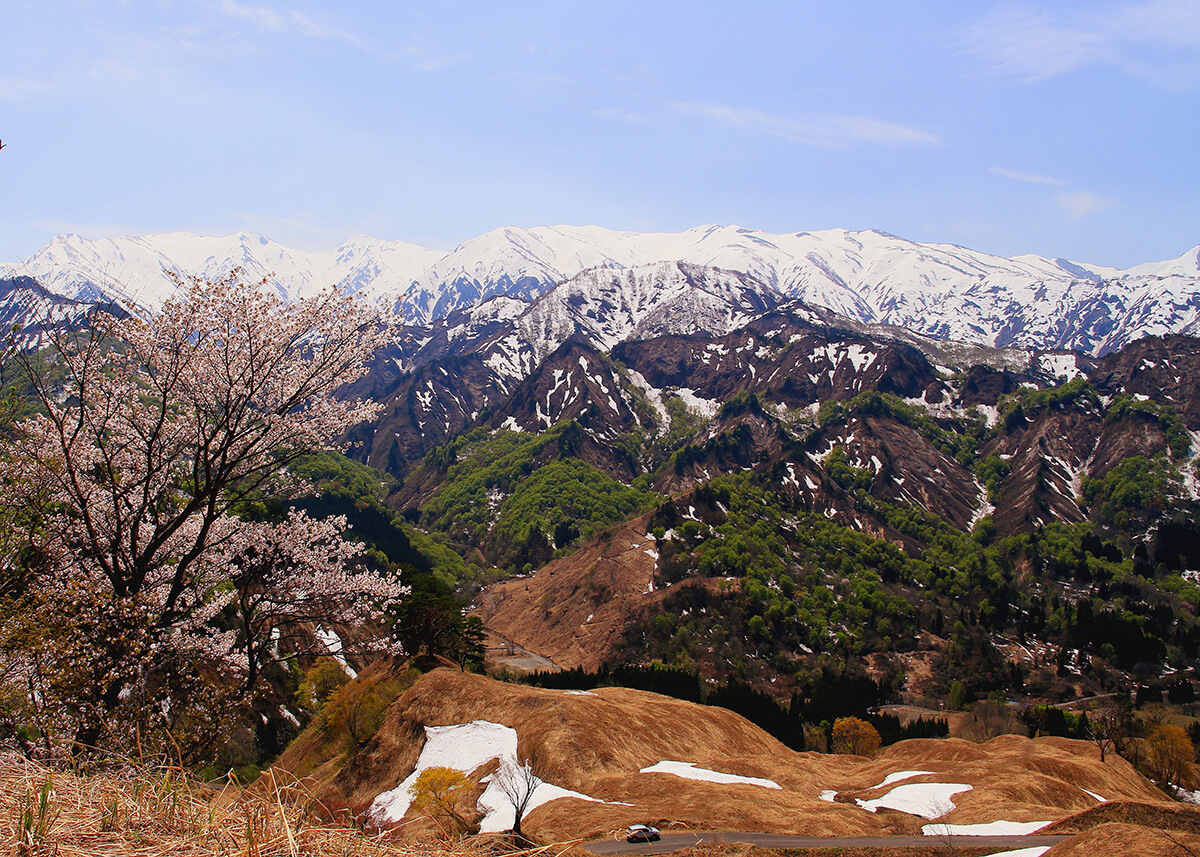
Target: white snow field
928,800
465,747
830,795
689,771
333,644
898,776
936,289
990,828
1033,851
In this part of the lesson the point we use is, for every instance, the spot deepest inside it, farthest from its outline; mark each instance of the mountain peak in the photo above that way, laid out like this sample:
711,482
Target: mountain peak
940,290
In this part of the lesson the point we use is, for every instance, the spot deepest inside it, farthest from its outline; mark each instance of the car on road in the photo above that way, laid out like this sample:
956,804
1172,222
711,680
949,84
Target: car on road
642,833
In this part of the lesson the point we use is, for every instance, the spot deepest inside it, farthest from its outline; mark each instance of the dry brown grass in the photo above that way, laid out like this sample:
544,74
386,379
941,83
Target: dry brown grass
139,812
931,850
1121,839
1180,817
597,744
574,610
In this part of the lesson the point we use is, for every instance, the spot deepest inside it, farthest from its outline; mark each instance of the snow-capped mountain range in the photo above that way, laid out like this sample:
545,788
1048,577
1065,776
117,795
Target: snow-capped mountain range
940,290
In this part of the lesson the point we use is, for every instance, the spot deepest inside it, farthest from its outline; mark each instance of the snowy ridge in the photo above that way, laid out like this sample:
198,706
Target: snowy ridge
135,271
606,306
23,302
939,290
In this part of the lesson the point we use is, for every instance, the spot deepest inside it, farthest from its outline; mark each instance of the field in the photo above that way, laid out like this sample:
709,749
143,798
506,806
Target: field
597,744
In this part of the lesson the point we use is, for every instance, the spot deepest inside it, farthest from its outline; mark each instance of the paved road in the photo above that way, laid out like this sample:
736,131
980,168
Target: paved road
672,841
511,654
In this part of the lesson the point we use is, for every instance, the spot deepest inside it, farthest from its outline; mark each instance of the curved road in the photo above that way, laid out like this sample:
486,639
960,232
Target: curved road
672,841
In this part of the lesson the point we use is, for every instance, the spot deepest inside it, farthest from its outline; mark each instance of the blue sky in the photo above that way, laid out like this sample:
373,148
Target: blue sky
1063,129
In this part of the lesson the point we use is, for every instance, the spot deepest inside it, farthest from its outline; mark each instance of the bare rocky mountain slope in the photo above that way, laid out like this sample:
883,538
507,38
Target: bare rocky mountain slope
820,487
951,470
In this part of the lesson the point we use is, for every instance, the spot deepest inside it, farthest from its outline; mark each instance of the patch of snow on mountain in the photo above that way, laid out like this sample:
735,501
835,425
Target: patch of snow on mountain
333,644
990,828
653,397
689,771
706,408
466,747
1064,367
898,776
928,800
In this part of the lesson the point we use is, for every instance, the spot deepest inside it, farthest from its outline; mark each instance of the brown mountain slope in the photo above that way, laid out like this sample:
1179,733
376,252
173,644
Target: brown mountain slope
1163,368
574,610
1047,451
906,469
597,743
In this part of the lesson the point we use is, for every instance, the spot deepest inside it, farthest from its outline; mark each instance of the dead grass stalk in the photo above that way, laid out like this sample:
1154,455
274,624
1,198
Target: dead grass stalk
135,811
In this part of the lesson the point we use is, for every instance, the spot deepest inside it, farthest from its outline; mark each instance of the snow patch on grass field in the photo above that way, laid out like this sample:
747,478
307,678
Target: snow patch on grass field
689,771
466,747
928,800
900,775
990,828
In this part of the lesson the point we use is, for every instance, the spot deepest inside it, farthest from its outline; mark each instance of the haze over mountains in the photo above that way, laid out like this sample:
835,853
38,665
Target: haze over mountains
940,290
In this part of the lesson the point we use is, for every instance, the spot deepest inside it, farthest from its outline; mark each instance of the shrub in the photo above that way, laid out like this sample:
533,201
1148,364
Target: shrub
440,794
855,736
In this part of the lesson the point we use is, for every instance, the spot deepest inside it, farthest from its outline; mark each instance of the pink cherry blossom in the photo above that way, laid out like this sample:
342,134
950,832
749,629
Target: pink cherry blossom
149,436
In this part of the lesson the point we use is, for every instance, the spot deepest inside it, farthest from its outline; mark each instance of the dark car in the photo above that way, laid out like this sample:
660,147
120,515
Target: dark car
642,833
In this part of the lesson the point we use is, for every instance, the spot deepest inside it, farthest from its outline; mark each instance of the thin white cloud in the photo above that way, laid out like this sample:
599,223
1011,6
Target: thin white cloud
1075,204
830,131
1029,178
1169,22
878,131
270,19
419,59
1080,204
1157,40
1032,45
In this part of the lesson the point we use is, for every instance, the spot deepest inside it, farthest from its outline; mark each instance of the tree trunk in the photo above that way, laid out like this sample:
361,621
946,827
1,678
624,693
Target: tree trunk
87,736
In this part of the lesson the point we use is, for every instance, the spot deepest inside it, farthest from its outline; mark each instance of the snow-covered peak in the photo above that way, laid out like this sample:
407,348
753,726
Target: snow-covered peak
940,290
1187,265
610,305
134,270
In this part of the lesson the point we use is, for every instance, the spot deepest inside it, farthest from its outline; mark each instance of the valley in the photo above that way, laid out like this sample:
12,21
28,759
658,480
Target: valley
812,480
679,494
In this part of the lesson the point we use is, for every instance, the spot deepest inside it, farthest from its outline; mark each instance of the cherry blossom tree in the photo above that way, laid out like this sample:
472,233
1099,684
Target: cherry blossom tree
150,436
290,576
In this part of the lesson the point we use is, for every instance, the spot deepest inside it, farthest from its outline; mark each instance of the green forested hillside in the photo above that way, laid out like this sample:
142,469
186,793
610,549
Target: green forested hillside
517,498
